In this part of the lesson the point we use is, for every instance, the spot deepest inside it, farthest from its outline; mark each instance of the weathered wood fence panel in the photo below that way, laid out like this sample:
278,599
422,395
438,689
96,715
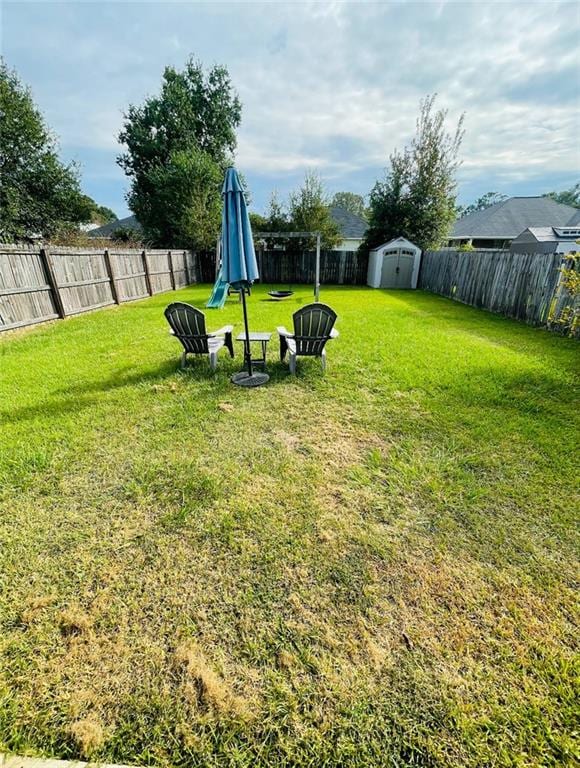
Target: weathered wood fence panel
286,267
159,271
130,274
338,267
38,284
205,267
525,286
182,275
25,290
81,278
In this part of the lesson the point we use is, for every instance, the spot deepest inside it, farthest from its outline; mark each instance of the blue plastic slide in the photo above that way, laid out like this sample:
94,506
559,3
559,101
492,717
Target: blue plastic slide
219,294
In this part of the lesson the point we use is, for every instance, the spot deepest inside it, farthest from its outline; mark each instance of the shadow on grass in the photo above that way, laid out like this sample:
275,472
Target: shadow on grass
78,397
480,323
123,379
74,397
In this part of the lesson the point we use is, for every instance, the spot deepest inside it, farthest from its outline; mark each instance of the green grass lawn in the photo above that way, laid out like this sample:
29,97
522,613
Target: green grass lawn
371,568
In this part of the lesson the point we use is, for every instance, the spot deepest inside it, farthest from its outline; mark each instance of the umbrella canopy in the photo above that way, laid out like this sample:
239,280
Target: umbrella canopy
239,264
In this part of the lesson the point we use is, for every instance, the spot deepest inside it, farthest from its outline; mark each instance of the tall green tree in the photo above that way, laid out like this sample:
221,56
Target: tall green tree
277,216
275,220
259,223
183,138
416,199
483,202
352,202
309,211
39,195
103,215
187,210
278,220
567,196
98,214
390,208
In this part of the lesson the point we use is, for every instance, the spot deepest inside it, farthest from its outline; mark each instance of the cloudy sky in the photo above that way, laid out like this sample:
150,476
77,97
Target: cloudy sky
325,85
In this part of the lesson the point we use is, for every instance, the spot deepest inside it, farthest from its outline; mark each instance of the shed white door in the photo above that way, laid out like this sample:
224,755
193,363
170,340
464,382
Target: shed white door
397,269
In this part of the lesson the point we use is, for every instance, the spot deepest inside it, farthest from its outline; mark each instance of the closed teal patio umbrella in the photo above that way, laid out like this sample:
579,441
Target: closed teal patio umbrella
239,265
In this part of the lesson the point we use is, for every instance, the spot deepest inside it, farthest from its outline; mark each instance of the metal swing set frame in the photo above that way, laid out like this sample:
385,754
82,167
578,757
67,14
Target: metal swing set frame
285,235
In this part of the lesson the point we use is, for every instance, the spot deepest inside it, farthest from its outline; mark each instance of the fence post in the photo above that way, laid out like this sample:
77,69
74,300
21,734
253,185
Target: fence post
111,276
52,281
187,256
341,267
171,272
197,268
147,275
186,265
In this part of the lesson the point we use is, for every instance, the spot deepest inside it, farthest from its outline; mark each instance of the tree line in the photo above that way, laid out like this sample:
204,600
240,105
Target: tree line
39,194
177,146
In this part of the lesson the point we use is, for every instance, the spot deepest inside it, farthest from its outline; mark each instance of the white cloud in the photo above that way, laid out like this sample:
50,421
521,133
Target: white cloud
362,75
329,85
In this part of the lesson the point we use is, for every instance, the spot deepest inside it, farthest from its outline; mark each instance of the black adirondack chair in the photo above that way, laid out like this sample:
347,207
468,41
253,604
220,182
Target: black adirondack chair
188,325
313,327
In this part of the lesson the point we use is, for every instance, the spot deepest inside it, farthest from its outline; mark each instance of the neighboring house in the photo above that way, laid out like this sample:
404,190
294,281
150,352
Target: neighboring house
498,225
352,228
547,240
130,223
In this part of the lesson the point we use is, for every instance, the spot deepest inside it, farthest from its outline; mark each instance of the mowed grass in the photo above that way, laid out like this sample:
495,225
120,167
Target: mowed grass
371,568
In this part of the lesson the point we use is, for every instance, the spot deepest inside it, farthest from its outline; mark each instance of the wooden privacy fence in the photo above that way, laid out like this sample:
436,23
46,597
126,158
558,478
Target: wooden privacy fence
338,267
38,284
525,286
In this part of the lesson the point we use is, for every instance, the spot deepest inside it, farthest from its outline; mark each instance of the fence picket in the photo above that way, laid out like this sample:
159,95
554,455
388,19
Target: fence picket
38,284
522,286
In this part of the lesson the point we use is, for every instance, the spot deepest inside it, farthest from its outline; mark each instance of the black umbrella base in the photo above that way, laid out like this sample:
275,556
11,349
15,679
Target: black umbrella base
243,379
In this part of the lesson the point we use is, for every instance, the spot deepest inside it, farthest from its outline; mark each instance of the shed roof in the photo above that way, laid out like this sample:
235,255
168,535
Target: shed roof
507,219
400,242
350,225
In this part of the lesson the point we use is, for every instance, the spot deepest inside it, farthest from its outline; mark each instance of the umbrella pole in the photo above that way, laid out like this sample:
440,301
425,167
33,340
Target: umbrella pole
249,378
247,350
317,278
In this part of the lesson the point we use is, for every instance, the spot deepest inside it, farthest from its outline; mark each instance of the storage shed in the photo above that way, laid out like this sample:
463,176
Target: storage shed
547,240
394,265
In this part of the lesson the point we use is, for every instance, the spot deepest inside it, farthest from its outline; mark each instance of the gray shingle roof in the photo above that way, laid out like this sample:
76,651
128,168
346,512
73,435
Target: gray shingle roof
350,225
130,222
545,235
542,234
507,219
